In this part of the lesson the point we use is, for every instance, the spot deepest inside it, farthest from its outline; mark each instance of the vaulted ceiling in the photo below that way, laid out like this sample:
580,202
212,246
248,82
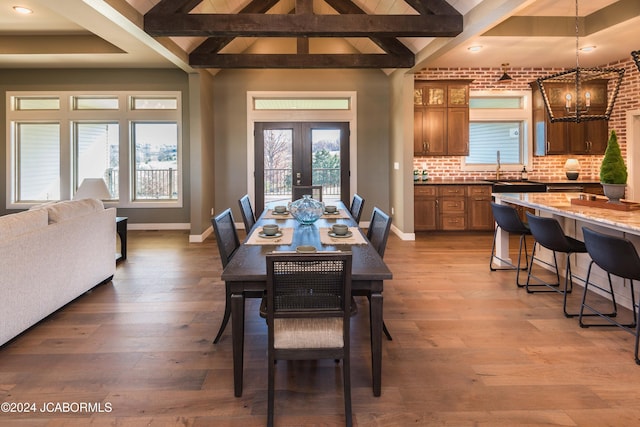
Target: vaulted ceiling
386,34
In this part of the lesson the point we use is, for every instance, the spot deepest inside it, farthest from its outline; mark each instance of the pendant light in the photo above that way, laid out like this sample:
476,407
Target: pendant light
567,95
636,57
505,77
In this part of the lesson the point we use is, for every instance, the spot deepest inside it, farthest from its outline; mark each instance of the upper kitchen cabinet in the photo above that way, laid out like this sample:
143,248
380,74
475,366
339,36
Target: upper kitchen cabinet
441,118
589,137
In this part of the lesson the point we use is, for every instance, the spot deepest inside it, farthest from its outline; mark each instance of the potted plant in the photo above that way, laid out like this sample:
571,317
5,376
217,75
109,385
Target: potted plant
613,171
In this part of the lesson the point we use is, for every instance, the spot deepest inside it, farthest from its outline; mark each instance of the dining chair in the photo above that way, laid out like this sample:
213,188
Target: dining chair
315,191
357,204
228,243
616,256
548,233
248,217
308,314
508,220
377,234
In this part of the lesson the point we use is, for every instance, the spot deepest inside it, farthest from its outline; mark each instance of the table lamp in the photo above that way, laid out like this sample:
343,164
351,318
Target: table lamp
92,188
572,169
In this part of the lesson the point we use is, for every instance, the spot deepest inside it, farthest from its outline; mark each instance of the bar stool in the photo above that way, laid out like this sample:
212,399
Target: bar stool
508,220
548,233
617,256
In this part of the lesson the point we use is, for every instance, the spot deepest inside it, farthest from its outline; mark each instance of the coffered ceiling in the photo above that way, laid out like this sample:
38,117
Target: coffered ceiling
111,33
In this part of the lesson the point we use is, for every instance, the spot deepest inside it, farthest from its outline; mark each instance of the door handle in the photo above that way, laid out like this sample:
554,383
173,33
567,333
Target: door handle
298,175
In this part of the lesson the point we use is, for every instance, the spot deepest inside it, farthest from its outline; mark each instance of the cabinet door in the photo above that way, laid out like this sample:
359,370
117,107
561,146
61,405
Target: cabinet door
419,142
577,138
556,137
597,135
480,215
434,94
458,95
434,131
425,208
458,131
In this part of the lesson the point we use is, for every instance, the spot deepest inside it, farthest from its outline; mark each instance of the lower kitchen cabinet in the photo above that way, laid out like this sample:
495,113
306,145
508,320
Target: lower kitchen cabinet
452,207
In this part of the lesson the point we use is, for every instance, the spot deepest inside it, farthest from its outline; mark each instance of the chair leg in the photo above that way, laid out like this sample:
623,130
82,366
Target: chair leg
528,285
227,314
523,243
270,390
346,381
606,316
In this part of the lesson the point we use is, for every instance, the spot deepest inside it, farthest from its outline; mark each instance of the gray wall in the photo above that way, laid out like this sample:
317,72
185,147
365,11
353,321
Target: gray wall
372,87
102,80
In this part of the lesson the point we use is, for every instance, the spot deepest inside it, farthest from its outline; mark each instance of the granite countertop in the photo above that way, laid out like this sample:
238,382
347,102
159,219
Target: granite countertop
560,203
452,182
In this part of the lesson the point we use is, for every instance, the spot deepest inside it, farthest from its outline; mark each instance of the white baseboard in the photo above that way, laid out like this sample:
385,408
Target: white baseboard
159,226
401,235
199,238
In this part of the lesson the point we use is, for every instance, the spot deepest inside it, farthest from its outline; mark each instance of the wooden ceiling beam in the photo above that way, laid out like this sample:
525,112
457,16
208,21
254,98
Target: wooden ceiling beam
315,61
271,25
432,7
174,6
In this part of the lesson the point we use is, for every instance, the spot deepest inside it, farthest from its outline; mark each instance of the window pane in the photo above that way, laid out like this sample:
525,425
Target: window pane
97,151
156,152
278,164
505,102
487,138
325,166
154,103
93,103
38,161
301,104
37,104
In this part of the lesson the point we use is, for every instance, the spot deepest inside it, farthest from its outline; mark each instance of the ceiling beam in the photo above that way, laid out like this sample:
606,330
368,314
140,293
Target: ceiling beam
271,25
299,61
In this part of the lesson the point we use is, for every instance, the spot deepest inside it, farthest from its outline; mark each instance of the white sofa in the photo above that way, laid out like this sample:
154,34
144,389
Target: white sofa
49,256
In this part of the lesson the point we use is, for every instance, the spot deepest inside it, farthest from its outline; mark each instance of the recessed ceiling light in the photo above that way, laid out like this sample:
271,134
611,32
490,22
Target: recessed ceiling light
587,49
22,10
476,48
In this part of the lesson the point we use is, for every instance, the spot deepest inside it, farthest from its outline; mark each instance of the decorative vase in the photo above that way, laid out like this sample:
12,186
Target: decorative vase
306,210
614,192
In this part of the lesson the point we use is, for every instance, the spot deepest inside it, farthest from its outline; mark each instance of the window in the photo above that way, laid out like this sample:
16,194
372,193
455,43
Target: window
498,127
131,140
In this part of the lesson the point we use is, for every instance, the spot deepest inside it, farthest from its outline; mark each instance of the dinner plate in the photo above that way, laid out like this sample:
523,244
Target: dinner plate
332,213
280,213
340,236
264,236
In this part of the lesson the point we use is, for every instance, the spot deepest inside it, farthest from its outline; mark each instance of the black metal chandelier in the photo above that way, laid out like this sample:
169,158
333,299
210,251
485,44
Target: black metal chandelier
568,96
636,57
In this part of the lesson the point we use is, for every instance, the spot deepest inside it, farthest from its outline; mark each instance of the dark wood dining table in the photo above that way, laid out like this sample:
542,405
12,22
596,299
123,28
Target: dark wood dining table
246,274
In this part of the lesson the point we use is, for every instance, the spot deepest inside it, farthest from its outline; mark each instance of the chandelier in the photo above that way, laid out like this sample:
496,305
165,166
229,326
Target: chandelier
568,95
636,57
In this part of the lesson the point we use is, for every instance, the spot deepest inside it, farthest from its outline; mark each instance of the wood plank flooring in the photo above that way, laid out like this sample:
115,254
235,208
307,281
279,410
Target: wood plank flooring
468,349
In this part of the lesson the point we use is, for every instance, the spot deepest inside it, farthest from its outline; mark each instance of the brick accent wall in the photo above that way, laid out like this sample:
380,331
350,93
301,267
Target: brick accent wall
547,167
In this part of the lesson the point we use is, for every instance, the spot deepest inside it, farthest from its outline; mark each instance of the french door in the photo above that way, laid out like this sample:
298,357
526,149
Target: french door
300,153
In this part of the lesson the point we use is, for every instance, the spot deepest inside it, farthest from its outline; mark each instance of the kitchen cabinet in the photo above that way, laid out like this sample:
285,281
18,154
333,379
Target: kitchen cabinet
452,207
479,215
441,118
588,137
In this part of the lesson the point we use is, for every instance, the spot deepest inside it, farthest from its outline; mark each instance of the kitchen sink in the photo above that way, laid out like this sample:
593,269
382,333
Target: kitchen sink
516,186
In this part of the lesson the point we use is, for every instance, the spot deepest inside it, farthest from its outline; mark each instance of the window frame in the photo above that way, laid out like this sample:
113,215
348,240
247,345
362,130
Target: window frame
523,115
66,116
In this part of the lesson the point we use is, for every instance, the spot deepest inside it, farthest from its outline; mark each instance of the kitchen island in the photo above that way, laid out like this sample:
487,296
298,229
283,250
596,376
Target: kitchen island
572,217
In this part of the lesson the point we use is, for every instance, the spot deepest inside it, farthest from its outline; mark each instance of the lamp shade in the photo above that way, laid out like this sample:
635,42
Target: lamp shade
92,188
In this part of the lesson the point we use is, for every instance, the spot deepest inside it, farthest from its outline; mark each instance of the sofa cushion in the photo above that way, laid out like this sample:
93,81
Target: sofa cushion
21,222
65,210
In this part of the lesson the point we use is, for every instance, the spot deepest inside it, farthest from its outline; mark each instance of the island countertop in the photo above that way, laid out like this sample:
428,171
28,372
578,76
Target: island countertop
560,203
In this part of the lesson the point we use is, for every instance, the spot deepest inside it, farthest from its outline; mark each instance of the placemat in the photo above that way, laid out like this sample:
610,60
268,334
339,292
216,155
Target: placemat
356,237
271,215
340,214
285,239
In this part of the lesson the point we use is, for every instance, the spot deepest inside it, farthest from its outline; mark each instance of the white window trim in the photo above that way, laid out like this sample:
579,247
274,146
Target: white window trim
525,114
65,116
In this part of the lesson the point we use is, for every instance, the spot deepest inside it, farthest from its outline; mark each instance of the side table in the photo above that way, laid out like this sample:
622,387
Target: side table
121,229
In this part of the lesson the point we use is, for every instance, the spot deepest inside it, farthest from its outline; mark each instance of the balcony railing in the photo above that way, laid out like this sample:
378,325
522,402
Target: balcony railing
277,182
151,184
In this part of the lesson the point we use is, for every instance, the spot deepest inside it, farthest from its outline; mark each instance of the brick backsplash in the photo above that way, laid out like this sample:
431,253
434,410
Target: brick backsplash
547,167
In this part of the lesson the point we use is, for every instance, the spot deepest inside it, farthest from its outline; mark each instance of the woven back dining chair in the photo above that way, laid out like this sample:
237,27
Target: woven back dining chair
248,216
357,204
228,242
308,314
378,234
315,191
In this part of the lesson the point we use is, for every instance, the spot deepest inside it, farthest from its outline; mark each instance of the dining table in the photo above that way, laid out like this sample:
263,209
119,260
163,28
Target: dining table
246,273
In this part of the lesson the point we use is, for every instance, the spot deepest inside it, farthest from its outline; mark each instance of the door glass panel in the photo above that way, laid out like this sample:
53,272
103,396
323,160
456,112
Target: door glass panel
325,164
278,155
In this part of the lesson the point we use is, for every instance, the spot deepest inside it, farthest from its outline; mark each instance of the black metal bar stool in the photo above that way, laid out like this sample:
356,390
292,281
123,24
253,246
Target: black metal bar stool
508,220
548,233
617,256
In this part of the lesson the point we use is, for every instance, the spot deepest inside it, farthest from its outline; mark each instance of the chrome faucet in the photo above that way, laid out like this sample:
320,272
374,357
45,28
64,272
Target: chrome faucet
498,162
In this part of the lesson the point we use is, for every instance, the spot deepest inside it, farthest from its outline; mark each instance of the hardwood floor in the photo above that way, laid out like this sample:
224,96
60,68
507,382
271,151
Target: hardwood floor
468,349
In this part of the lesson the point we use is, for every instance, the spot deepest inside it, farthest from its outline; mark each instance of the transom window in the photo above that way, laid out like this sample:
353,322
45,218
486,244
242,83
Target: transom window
131,140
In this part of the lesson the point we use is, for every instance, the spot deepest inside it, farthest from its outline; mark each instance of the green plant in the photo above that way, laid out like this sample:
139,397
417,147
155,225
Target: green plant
613,170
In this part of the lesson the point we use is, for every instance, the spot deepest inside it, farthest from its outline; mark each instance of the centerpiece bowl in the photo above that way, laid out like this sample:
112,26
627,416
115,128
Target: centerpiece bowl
306,210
